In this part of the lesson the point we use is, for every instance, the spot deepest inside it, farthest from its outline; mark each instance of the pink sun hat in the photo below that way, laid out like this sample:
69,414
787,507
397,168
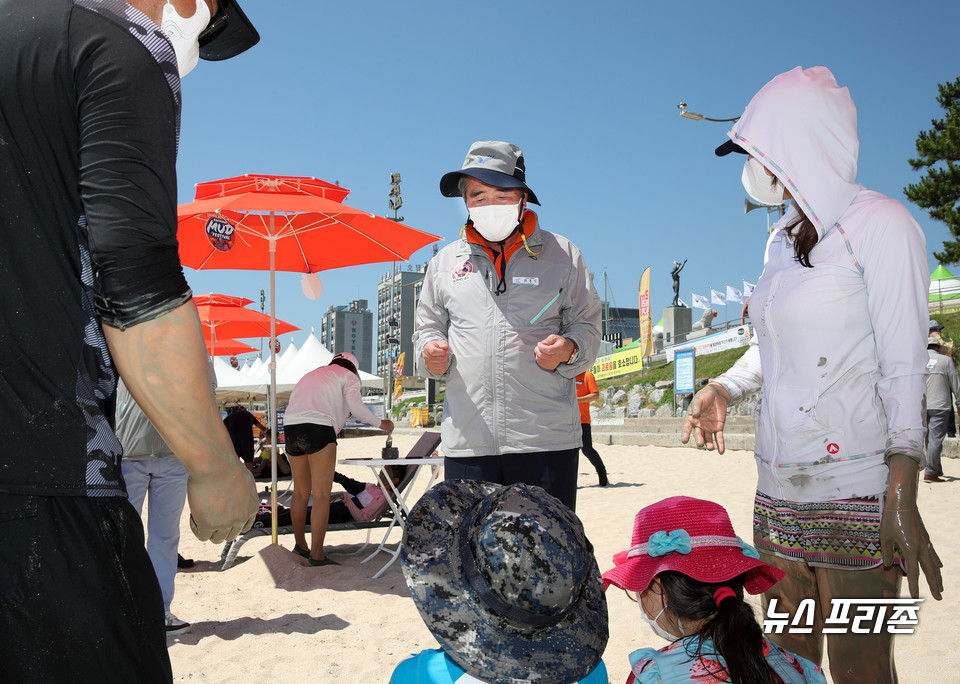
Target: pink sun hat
693,537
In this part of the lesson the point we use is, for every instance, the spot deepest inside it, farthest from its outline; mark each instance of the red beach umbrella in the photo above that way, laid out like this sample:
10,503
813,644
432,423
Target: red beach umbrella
287,223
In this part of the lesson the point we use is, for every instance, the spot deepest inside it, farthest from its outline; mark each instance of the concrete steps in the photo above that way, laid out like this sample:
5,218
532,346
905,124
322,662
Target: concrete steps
737,433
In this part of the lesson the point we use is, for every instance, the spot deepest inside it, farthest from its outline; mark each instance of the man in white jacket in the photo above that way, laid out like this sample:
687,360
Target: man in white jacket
508,316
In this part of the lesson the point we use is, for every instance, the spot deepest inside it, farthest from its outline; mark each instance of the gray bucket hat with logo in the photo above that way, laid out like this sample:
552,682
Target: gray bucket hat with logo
493,162
506,580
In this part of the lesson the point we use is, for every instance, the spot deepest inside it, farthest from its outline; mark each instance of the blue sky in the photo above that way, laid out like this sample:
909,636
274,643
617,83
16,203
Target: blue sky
353,91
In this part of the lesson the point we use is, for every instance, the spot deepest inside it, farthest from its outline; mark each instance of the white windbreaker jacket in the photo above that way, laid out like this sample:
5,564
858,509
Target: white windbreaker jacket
498,400
839,350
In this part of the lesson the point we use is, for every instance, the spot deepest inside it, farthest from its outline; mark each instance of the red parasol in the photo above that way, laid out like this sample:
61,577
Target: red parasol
227,347
287,223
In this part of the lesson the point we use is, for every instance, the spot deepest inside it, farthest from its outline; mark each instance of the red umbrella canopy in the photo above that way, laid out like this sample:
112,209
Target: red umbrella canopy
228,347
307,232
252,182
226,322
221,299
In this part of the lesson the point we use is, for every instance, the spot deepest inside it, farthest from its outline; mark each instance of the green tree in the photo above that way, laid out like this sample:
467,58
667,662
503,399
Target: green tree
939,151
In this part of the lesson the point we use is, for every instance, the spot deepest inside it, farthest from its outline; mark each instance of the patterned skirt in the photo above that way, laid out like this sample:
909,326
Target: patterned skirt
832,534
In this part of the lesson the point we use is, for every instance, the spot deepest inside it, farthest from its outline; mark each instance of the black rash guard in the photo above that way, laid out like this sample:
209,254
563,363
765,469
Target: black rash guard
89,122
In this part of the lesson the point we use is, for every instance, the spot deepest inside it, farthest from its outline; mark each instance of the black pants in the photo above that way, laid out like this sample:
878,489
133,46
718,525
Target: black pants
79,600
592,455
555,471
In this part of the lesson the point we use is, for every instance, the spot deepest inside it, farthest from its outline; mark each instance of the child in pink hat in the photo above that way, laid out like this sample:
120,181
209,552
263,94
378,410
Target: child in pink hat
689,571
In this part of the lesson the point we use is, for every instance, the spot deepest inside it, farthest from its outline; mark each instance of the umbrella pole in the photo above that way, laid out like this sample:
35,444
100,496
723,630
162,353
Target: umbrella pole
273,383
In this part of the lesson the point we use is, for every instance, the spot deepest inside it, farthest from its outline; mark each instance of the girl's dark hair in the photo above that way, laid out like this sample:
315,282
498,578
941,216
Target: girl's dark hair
804,237
732,626
344,363
802,232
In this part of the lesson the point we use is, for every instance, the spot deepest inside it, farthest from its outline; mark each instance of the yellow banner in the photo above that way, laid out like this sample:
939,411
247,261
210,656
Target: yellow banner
646,320
619,363
398,377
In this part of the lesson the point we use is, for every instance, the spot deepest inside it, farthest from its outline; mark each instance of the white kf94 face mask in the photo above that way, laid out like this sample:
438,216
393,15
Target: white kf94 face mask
655,626
184,33
495,222
761,187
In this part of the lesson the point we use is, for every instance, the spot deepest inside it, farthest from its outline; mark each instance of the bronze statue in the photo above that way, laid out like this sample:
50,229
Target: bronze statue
675,274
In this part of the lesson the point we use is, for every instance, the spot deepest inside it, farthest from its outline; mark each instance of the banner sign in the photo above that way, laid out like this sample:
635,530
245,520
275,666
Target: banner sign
619,363
683,372
727,339
646,320
398,374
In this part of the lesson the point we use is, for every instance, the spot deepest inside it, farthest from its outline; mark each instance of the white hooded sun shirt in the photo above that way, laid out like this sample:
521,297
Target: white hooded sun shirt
842,345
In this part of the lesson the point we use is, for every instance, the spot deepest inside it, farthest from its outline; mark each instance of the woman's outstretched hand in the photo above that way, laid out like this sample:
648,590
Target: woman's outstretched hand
705,417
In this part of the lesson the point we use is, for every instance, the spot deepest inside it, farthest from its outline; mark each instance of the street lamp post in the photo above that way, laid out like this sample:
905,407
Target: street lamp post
749,205
394,201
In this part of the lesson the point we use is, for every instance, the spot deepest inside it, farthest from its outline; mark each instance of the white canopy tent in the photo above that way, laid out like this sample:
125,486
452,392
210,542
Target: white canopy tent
944,289
292,365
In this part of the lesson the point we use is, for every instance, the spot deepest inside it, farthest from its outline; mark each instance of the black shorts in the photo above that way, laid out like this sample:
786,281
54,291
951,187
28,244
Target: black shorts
79,600
307,438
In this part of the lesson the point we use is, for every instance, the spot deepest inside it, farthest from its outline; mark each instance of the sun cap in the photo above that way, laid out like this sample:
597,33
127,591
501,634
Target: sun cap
506,580
728,147
934,325
229,33
693,537
933,339
493,162
347,356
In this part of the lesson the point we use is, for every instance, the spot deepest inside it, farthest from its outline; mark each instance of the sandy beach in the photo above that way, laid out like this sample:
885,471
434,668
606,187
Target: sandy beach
272,617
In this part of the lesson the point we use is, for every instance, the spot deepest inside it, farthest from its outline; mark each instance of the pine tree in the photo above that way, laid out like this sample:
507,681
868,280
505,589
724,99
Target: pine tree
939,151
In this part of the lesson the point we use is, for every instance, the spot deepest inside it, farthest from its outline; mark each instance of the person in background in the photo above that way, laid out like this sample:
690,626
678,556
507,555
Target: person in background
319,405
150,467
507,316
838,358
943,388
240,423
587,391
89,124
363,501
936,330
687,571
506,580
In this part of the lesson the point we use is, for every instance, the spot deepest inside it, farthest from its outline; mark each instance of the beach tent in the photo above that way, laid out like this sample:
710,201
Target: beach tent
311,356
944,288
295,364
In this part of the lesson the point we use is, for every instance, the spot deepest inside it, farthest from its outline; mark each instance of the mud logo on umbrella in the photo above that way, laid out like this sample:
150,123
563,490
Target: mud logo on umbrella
221,233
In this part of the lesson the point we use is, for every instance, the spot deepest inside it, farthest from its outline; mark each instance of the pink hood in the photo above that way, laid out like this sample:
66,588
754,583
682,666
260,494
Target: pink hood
817,162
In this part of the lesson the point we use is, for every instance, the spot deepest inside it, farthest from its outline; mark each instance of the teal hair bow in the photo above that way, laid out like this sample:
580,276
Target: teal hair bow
748,550
661,543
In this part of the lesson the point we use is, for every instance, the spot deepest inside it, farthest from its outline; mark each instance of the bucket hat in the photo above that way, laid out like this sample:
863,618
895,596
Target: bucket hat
229,33
693,537
934,325
505,579
493,162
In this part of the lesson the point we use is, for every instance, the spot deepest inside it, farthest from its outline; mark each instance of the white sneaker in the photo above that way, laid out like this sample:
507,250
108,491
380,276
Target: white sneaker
175,625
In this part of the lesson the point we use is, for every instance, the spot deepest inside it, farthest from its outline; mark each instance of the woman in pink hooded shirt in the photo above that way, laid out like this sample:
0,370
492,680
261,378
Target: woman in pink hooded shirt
838,360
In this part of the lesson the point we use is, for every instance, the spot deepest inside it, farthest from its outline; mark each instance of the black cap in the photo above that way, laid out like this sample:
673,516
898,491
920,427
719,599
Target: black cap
229,33
728,147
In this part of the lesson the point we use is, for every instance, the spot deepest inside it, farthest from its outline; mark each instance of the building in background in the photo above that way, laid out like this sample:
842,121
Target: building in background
397,295
620,323
349,329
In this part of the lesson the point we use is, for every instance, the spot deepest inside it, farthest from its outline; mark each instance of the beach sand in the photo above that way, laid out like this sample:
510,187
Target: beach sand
272,617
